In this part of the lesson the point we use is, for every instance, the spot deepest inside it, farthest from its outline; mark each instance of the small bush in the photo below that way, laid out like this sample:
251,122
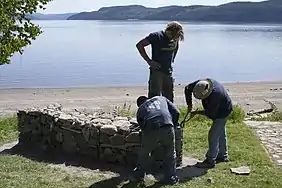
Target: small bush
237,115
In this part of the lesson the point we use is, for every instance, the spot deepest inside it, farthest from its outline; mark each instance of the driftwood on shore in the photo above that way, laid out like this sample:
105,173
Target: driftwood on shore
260,112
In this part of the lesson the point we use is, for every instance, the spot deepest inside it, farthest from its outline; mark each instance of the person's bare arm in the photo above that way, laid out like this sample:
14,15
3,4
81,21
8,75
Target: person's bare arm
176,50
141,49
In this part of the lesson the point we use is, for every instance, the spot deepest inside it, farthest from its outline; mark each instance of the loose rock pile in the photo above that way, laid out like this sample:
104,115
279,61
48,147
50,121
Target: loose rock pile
102,136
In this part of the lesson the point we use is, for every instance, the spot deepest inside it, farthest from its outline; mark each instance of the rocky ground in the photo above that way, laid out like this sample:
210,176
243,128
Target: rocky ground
270,134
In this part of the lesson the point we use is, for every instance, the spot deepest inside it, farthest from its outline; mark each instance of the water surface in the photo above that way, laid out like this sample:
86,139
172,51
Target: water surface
103,53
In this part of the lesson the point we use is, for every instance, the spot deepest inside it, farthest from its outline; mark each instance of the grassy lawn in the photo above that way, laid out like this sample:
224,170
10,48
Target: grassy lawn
17,171
8,129
244,149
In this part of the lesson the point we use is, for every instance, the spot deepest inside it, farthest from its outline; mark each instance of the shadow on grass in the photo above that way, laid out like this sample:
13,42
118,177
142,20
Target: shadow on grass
116,182
58,157
112,182
185,173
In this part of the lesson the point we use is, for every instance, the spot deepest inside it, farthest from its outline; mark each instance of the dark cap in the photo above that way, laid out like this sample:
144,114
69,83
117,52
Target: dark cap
141,100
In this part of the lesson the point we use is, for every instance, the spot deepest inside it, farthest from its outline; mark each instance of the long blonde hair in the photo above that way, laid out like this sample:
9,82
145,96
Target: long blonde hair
176,29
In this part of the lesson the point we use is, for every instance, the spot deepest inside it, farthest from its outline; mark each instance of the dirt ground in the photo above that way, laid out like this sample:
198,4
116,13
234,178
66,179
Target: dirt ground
251,96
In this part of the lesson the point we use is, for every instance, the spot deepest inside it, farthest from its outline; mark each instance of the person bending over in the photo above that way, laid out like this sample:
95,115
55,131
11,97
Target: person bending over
157,117
217,106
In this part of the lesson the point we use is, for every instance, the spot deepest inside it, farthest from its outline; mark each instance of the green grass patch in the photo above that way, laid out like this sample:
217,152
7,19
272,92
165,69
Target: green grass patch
8,129
274,117
244,149
17,171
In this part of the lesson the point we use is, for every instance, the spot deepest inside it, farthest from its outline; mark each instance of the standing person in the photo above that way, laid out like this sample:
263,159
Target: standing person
165,45
217,106
157,117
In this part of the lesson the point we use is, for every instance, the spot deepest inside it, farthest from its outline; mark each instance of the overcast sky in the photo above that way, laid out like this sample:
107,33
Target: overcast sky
62,6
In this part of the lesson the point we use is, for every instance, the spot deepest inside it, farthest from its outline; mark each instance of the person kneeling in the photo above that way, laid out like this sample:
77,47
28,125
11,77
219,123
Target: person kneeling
157,117
217,106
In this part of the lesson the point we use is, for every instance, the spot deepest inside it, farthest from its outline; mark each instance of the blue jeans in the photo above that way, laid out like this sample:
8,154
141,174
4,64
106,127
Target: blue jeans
217,140
150,140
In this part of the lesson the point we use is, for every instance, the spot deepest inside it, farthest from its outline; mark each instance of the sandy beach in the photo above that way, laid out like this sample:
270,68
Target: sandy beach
251,96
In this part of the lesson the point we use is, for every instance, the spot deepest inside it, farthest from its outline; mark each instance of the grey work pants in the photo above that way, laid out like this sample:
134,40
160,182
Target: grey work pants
150,140
161,84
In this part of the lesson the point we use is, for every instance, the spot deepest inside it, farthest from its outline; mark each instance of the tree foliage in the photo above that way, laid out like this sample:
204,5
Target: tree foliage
16,29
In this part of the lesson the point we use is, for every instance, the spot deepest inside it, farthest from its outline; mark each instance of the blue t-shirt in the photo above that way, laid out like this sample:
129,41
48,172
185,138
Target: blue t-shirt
163,50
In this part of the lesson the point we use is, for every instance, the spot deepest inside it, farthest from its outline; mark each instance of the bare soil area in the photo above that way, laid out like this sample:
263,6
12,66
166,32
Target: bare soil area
251,96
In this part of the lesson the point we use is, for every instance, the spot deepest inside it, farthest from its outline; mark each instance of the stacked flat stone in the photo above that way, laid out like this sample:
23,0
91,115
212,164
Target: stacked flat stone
101,136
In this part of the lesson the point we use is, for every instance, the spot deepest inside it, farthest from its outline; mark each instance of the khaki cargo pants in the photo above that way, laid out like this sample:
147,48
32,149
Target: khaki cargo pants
161,84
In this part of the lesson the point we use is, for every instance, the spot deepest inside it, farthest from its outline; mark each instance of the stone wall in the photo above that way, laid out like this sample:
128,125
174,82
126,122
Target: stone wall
102,136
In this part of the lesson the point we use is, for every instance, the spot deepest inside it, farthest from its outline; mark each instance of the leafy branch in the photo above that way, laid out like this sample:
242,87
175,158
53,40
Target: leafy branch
16,28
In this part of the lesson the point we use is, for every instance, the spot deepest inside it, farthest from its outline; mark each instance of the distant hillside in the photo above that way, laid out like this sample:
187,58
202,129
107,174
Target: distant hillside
250,12
39,16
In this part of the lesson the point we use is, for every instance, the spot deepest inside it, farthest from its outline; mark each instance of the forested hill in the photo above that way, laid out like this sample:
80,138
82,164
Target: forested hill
251,12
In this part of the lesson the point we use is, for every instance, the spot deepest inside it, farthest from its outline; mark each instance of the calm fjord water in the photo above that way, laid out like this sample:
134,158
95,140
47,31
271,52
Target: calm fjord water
103,53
